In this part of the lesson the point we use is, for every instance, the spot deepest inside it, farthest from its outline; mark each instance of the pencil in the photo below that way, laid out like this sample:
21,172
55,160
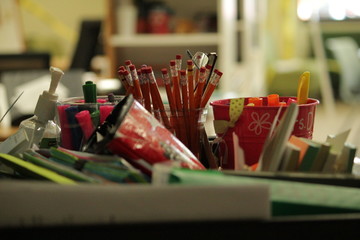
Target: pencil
176,92
137,89
192,124
200,87
128,79
178,63
155,95
122,78
171,100
144,90
198,111
213,82
185,103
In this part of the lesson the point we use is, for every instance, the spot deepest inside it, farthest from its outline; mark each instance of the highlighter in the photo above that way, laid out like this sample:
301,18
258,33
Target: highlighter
303,88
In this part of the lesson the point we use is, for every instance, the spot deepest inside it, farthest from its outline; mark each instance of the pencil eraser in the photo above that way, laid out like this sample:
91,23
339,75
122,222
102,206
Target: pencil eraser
127,62
148,69
132,67
182,72
178,56
189,62
172,63
164,71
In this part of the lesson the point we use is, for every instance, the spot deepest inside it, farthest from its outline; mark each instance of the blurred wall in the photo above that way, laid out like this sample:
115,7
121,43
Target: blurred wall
53,26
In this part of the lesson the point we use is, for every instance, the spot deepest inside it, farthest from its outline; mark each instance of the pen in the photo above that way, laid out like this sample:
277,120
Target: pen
303,88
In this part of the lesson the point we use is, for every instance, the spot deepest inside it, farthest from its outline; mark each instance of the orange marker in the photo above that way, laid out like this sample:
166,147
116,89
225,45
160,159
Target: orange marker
257,101
273,100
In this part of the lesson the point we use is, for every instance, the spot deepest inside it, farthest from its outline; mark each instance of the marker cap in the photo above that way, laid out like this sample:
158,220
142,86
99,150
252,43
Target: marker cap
89,90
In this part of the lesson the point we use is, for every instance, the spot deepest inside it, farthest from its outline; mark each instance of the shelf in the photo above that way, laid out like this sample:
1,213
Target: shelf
161,40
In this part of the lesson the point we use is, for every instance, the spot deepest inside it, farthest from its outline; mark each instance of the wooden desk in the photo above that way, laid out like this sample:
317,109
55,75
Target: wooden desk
6,132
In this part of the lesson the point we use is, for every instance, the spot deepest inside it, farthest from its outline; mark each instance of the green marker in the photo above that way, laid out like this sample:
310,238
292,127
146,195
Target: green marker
89,90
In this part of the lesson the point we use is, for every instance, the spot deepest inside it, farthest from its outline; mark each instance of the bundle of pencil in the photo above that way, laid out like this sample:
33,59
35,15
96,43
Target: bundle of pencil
188,92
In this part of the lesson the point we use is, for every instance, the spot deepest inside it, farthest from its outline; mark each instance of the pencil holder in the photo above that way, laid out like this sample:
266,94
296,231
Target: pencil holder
78,119
185,125
252,124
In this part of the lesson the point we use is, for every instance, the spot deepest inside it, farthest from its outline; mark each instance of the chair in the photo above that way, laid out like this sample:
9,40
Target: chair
345,52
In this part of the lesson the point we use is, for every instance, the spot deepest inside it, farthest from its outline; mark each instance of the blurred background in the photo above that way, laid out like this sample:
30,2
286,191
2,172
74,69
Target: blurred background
262,46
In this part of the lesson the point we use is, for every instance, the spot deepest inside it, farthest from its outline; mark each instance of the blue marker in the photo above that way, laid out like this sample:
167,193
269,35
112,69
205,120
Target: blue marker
75,129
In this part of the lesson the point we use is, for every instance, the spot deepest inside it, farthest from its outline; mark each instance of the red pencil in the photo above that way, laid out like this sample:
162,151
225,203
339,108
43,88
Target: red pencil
137,89
144,90
213,82
155,95
171,99
200,87
122,78
176,91
185,103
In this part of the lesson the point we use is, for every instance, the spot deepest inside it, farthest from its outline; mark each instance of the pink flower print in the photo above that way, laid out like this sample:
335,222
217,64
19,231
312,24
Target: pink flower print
259,123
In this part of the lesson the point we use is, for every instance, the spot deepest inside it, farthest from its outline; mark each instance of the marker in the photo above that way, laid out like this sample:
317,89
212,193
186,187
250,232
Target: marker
105,111
76,132
85,123
66,139
273,100
89,90
257,101
303,88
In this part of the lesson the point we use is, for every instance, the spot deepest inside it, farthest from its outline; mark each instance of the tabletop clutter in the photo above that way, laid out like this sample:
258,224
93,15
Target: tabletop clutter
119,139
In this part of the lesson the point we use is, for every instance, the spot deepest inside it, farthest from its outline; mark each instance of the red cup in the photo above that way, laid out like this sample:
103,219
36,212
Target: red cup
254,124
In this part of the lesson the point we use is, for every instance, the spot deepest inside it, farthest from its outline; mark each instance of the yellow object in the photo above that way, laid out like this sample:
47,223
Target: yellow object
303,88
43,172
